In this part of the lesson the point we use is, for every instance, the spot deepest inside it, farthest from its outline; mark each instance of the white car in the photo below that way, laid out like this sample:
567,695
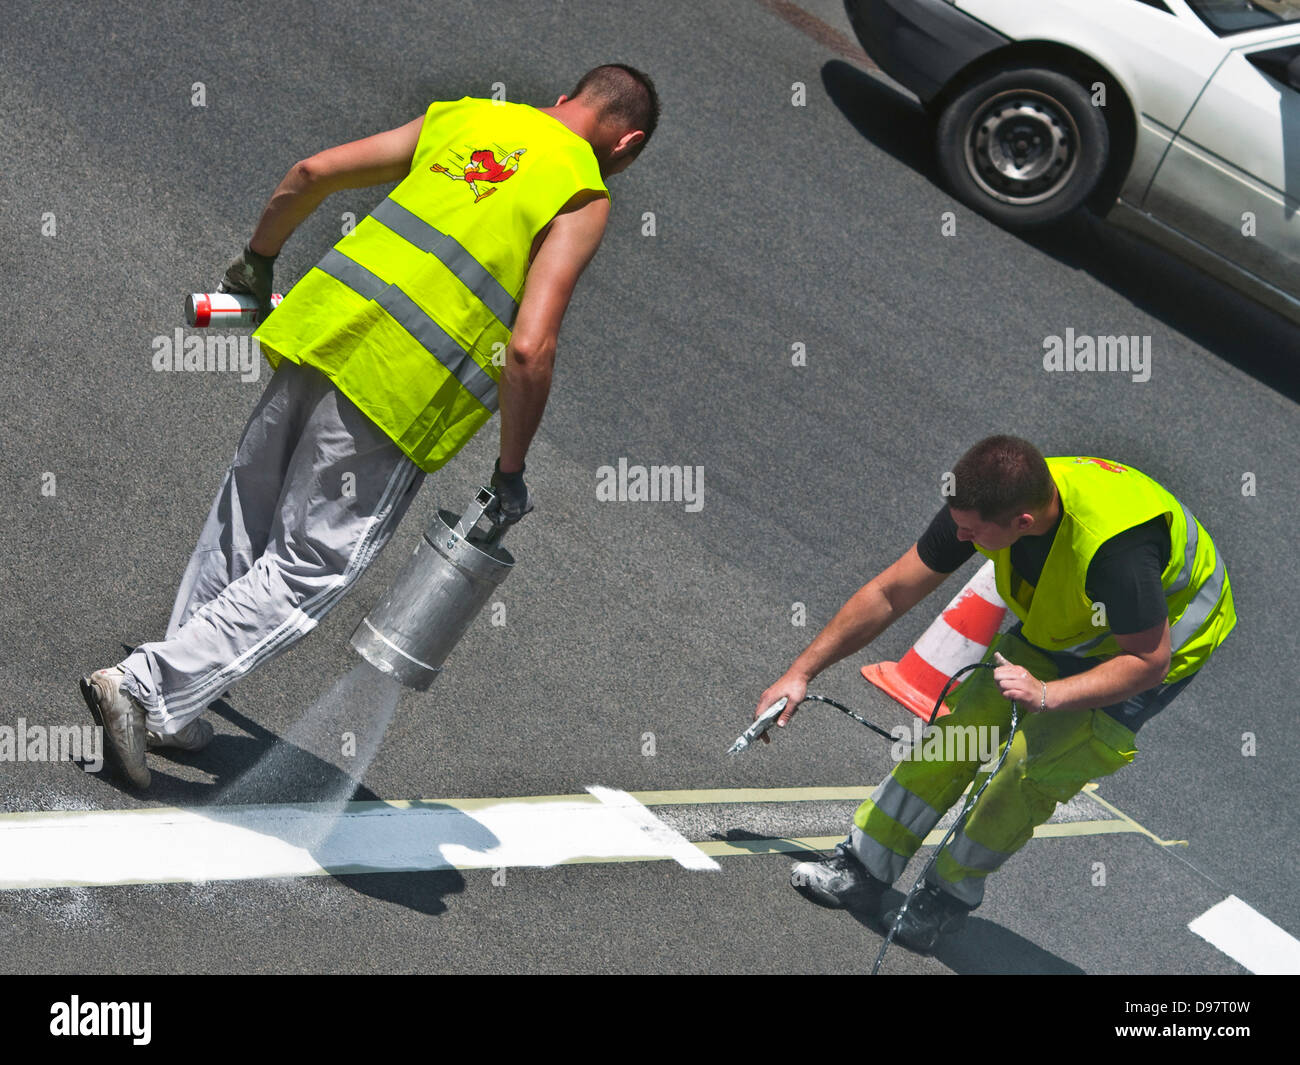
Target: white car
1176,118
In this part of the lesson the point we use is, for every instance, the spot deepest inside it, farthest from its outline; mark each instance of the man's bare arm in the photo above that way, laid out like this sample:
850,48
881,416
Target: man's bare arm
871,610
374,160
1142,664
568,247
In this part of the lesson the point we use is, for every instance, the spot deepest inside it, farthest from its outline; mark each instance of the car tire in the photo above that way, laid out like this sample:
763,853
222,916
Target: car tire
1025,146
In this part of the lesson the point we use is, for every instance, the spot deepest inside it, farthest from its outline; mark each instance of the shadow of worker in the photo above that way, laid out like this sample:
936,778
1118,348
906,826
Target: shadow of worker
981,948
317,816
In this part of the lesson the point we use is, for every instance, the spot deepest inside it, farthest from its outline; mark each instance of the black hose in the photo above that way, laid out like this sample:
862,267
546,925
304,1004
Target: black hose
856,717
1006,747
808,697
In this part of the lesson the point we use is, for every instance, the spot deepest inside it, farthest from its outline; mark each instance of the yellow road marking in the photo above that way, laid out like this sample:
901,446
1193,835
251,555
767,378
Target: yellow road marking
1091,789
719,796
720,848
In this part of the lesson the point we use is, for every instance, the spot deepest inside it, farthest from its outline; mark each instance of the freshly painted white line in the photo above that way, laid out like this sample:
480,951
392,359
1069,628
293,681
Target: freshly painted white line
1249,938
258,842
664,840
53,848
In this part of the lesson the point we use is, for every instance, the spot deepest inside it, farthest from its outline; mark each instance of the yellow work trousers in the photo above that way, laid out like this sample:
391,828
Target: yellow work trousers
1052,756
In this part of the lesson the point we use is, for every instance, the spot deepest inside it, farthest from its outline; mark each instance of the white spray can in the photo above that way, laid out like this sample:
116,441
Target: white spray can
224,308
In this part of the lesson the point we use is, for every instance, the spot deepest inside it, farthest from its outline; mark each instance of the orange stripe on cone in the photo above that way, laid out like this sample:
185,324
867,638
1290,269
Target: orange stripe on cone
960,635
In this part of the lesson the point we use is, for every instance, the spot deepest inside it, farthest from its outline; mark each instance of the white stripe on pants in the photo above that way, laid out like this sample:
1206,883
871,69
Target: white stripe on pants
313,494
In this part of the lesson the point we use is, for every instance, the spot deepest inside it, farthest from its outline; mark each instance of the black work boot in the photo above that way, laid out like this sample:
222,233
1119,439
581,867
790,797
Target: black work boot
840,880
932,913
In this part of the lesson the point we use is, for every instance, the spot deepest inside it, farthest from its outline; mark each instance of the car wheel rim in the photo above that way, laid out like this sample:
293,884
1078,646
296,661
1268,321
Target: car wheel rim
1022,147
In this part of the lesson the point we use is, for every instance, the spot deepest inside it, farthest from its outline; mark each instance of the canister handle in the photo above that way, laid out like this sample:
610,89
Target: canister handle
473,514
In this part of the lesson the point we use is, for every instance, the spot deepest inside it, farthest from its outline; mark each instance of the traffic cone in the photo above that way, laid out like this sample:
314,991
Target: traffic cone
959,636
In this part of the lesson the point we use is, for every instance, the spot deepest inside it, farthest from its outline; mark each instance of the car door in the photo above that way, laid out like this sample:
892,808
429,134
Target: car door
1230,178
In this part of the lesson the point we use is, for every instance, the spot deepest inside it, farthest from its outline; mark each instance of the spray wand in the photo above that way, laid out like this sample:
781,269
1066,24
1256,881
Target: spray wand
768,718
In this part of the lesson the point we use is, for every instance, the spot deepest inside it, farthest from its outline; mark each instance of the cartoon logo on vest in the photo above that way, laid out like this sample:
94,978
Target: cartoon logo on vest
484,170
1114,467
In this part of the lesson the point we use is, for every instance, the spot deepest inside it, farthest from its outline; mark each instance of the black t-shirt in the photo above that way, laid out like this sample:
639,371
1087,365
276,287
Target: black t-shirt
1124,574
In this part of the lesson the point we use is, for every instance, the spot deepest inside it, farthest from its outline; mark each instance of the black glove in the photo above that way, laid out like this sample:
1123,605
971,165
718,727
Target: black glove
251,273
513,498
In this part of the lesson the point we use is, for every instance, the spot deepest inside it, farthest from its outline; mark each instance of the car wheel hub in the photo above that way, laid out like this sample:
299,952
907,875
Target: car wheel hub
1021,147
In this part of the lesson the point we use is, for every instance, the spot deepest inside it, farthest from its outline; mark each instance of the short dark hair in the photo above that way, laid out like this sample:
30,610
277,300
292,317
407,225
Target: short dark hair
625,94
1000,477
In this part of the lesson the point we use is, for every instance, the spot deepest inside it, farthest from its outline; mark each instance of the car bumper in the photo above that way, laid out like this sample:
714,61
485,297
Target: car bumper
920,43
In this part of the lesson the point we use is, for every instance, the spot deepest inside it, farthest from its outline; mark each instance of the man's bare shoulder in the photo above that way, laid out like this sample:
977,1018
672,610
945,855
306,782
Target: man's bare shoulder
584,214
593,203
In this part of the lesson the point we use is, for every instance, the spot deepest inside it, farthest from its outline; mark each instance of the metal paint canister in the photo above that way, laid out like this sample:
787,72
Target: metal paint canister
435,598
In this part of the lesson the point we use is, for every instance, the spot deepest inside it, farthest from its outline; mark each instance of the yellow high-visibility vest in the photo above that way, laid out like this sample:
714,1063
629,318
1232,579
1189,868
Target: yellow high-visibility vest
410,313
1101,499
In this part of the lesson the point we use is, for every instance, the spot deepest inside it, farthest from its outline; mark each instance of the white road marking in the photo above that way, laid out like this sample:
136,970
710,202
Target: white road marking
1249,938
665,840
154,846
40,849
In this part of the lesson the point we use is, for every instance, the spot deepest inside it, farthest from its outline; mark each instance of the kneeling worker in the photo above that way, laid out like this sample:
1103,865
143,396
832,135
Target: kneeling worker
1121,597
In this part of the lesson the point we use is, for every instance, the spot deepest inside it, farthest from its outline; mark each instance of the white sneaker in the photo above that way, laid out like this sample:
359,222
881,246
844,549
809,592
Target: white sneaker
121,718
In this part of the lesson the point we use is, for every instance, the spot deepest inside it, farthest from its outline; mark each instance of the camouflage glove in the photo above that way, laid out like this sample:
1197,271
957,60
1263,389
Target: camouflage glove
251,273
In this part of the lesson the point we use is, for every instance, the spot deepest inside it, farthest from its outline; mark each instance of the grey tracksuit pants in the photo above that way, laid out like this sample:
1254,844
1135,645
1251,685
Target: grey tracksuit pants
313,494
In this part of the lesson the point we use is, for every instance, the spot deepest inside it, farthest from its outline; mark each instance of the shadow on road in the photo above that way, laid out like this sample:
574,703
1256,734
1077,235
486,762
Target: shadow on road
1233,327
980,948
301,776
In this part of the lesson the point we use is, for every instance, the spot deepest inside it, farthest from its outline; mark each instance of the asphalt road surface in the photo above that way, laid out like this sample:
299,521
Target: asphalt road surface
774,303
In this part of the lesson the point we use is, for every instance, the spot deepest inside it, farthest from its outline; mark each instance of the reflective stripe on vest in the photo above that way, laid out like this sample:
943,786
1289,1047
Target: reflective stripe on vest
449,251
410,312
431,336
1200,608
1196,613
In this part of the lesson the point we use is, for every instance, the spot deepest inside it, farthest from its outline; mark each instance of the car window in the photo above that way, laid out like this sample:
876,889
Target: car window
1234,16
